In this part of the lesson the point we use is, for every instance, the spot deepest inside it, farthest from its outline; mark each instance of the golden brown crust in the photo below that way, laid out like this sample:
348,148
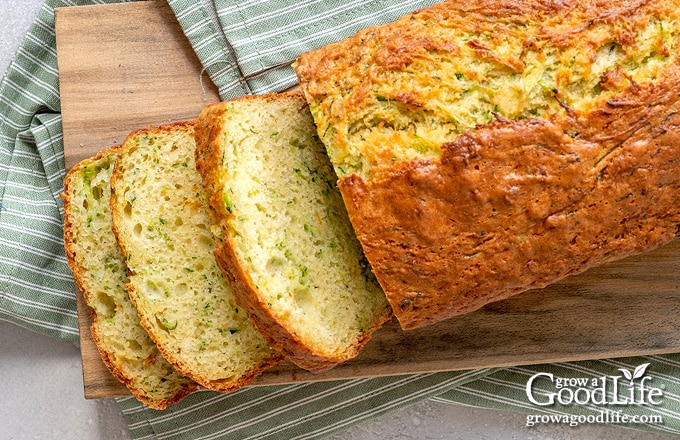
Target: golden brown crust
519,205
277,335
510,204
401,42
455,64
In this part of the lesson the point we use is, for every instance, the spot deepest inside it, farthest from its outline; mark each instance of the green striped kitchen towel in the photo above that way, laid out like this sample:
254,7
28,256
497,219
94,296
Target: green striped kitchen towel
302,411
247,47
36,286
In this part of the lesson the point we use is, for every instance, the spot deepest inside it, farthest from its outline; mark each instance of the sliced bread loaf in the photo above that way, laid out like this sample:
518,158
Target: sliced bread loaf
100,273
163,228
287,245
491,148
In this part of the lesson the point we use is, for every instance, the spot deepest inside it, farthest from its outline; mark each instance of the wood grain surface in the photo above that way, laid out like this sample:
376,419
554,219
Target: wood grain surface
126,66
123,67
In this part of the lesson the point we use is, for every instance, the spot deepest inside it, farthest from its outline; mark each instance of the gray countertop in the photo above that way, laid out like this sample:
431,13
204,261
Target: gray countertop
43,389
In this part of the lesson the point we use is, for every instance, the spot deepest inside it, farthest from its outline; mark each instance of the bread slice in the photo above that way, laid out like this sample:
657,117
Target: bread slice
100,273
162,226
287,245
500,146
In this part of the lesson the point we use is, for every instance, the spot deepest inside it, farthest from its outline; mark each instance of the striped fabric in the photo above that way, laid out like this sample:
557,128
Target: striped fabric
36,286
303,411
247,47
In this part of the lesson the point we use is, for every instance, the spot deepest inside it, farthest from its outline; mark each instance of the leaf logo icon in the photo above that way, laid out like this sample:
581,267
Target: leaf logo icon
626,373
640,371
636,374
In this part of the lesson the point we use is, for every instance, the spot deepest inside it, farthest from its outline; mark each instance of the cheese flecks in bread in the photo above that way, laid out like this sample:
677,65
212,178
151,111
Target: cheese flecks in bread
287,244
100,273
162,225
491,147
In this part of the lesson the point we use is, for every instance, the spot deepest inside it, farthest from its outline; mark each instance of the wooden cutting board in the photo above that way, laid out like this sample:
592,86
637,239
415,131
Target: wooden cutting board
126,66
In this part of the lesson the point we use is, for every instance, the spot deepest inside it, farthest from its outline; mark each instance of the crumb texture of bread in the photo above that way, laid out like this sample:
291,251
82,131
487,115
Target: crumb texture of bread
489,147
287,242
162,225
100,272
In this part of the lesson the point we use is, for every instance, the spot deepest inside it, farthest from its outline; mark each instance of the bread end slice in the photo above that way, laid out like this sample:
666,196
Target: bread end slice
285,241
100,273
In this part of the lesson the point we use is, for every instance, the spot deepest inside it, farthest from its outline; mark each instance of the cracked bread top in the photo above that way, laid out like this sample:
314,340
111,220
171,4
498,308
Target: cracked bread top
490,147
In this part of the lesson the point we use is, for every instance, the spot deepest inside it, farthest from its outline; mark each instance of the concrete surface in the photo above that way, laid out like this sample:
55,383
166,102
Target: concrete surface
41,379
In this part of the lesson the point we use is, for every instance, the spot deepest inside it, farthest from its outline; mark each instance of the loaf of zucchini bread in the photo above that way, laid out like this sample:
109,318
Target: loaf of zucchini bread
488,147
161,222
100,272
285,241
